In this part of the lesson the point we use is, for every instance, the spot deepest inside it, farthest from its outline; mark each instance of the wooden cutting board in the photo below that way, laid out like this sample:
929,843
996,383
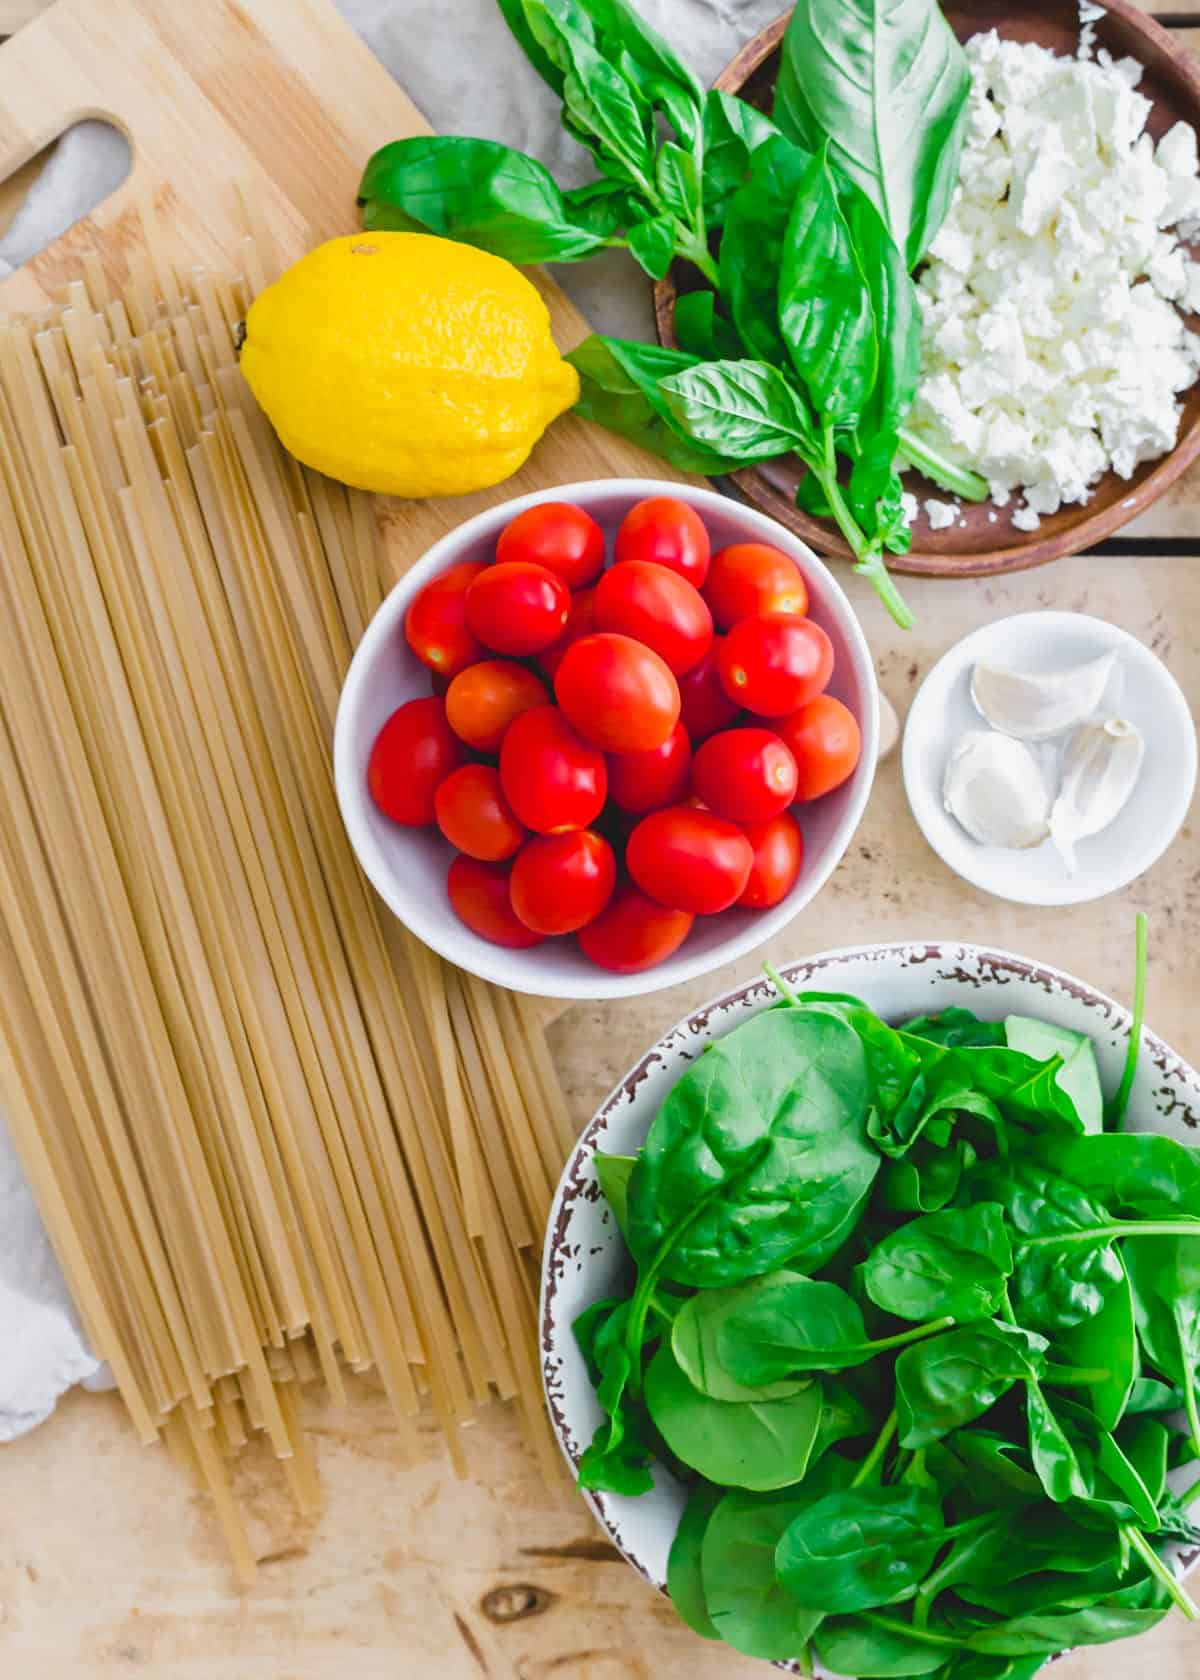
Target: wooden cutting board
278,94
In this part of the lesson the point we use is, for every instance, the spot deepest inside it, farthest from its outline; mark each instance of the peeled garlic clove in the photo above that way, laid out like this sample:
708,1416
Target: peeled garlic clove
1033,708
995,788
1100,771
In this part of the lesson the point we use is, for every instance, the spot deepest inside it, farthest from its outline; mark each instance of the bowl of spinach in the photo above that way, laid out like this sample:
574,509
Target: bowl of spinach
871,1316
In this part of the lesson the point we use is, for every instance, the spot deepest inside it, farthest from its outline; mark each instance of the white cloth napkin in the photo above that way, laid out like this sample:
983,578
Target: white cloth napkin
458,61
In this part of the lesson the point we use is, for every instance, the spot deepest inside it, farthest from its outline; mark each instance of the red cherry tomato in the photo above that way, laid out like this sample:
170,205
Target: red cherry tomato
774,664
689,859
668,531
559,536
826,742
483,700
658,607
581,622
561,882
479,897
747,775
517,607
554,781
414,751
436,622
474,815
704,706
749,578
633,933
617,693
646,781
778,847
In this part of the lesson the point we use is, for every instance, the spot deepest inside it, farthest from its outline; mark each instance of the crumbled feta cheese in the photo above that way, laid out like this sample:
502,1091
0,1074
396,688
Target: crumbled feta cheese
939,514
1053,343
1089,17
909,507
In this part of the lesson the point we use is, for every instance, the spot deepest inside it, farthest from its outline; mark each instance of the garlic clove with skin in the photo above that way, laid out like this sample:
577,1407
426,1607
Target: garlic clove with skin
1035,708
1100,772
995,788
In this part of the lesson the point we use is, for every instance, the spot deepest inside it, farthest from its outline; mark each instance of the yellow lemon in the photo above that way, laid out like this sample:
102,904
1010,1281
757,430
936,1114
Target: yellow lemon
406,364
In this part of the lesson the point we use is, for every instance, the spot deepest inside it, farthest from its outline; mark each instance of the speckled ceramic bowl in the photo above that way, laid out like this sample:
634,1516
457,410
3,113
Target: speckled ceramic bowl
585,1259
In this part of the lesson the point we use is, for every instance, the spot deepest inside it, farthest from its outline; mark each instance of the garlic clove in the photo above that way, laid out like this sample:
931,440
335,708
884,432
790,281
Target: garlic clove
995,788
1034,708
1100,772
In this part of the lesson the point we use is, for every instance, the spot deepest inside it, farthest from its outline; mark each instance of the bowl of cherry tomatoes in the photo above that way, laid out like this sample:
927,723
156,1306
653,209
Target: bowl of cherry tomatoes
603,739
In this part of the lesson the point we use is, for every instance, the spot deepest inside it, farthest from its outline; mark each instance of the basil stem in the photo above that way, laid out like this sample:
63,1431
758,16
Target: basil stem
959,480
869,556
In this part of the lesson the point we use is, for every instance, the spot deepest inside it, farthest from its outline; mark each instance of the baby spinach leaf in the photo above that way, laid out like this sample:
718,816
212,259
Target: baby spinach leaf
951,1263
1053,1455
620,1454
748,410
944,1383
701,331
694,1342
749,1608
619,390
886,86
976,1550
684,1582
613,1173
1149,1395
1135,1174
756,224
861,1547
825,311
759,1155
733,132
860,1645
1106,1342
587,1328
1144,1441
1039,1591
956,1028
652,243
759,1444
1165,1274
843,1416
1078,1075
476,191
1078,1460
993,1468
1124,1613
925,1179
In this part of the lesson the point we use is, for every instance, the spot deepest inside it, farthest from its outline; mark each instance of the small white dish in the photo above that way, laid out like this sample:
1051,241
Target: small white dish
1149,696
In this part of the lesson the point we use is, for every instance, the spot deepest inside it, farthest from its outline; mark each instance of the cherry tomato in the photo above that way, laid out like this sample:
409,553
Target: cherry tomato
474,815
581,622
747,775
633,933
646,781
517,607
668,531
774,663
436,622
689,859
704,706
826,742
414,751
561,882
658,607
778,847
554,781
749,578
617,693
483,700
479,897
559,536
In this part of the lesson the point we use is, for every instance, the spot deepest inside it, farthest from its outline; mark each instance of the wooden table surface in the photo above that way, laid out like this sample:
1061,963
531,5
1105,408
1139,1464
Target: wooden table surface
110,1565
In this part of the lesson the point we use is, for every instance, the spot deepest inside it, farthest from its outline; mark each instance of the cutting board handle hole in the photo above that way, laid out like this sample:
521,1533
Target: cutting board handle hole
61,184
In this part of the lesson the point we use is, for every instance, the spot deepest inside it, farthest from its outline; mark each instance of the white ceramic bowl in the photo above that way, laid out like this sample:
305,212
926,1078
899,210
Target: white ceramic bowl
585,1259
407,867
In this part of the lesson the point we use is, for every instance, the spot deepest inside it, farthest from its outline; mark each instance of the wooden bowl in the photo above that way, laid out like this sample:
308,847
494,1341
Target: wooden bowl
984,546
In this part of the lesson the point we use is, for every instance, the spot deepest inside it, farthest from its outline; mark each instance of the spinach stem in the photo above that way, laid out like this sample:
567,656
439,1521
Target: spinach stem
1006,1308
1189,1387
870,559
1189,1493
948,474
944,1573
875,1457
785,989
905,1630
1164,1573
933,1328
1072,1376
1116,1114
1115,1228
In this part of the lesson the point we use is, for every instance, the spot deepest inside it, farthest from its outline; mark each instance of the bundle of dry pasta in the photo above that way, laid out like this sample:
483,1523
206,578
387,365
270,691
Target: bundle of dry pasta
269,1132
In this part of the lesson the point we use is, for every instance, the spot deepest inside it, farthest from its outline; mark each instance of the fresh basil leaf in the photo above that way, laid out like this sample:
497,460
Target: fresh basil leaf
811,497
953,1263
861,1547
1078,1074
746,409
752,246
701,331
475,191
619,381
825,311
760,1444
514,13
602,207
613,1172
885,84
750,1609
695,1344
675,178
684,1580
621,26
601,107
956,1377
652,244
733,131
